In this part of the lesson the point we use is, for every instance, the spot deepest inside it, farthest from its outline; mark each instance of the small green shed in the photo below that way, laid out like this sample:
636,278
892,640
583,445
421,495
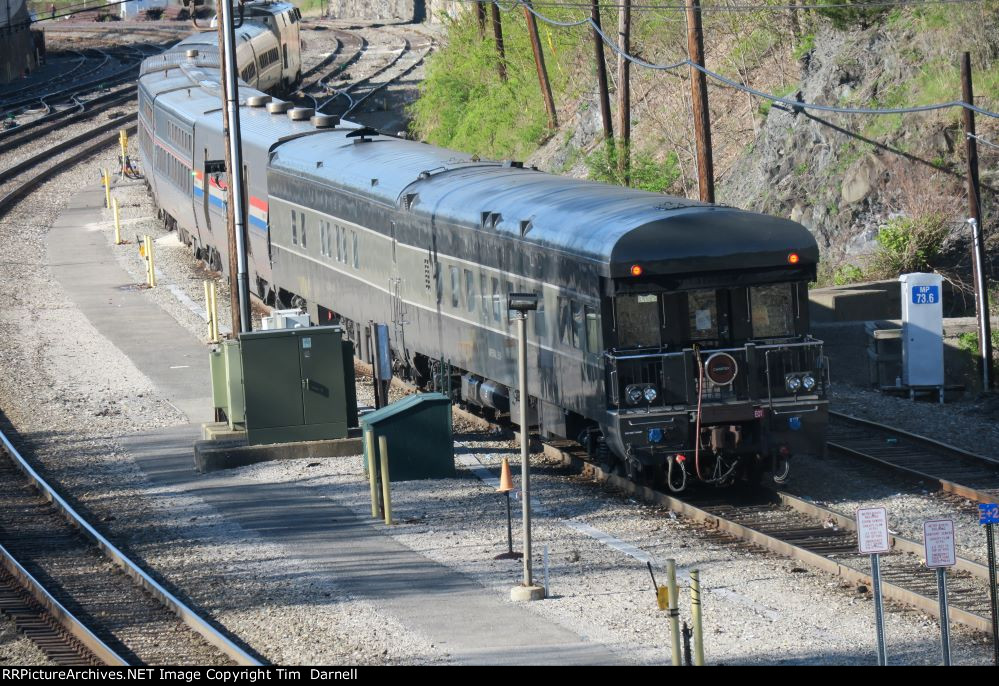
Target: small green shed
418,432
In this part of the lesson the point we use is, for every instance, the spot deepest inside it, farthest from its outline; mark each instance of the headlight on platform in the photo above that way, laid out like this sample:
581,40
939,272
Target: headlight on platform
650,394
634,394
793,383
808,382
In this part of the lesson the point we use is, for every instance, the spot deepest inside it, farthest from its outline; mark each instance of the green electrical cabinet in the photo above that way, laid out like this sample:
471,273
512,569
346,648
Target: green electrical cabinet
227,382
418,432
296,385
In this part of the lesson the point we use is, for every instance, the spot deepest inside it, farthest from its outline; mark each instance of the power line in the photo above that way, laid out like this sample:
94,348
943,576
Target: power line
874,4
797,104
982,141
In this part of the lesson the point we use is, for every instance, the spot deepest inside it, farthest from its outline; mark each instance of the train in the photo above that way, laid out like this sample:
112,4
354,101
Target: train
671,337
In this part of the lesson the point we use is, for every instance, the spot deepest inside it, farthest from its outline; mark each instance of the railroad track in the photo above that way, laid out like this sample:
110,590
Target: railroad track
55,121
957,471
796,528
821,538
402,62
132,618
15,183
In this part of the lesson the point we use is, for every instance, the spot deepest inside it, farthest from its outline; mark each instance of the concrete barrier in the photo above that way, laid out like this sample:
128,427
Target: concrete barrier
212,456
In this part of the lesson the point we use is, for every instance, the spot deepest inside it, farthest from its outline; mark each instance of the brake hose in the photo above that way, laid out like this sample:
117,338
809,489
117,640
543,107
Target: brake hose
697,423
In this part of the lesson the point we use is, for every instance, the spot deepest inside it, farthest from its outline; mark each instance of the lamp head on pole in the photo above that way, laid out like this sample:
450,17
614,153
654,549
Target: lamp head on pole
522,302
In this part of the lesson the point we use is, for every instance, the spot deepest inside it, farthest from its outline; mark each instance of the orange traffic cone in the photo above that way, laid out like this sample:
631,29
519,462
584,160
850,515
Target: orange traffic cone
506,485
506,481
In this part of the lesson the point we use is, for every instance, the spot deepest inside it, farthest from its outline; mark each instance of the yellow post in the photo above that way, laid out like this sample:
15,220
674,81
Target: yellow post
674,610
107,189
208,312
123,142
695,612
117,222
369,448
386,495
152,265
215,311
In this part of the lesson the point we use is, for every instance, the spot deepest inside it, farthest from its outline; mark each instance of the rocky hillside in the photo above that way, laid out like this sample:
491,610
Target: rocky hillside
848,178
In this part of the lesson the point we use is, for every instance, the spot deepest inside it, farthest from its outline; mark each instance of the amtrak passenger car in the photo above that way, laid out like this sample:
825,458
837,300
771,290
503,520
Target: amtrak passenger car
672,337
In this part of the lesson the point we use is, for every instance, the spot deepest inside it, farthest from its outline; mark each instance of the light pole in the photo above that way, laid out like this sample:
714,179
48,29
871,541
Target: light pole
522,303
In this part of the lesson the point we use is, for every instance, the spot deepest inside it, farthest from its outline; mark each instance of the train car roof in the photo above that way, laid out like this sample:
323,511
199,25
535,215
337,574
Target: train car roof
613,226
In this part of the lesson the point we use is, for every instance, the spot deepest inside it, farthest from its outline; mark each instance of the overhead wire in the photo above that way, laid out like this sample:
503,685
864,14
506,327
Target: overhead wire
874,4
983,141
795,104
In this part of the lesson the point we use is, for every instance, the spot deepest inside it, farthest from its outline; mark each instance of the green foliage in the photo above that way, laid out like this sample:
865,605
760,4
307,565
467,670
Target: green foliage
909,245
463,102
646,172
968,341
856,12
804,46
847,274
781,92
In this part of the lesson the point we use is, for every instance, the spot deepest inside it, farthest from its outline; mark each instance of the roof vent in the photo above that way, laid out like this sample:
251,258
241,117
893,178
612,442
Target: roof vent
191,54
258,100
512,164
525,226
409,199
489,220
325,121
278,107
300,113
363,134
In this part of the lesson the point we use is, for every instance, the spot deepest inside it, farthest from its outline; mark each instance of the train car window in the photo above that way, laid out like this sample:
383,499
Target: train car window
470,290
564,321
702,312
303,228
497,300
772,310
322,238
578,325
540,323
484,295
637,319
592,329
285,55
455,286
357,258
294,228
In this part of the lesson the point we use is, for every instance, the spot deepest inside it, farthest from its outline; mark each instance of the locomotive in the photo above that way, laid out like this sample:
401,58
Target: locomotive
671,337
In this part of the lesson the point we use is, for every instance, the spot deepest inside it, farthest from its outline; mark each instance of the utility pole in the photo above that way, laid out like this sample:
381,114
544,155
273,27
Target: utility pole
239,286
539,63
480,16
978,236
498,35
699,95
598,55
624,92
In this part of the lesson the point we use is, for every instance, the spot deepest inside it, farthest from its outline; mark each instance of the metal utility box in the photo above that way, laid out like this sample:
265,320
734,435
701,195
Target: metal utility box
922,330
295,385
418,432
227,382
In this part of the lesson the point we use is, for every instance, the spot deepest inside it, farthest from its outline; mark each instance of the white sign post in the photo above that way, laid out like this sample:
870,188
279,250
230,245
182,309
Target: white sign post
938,544
872,539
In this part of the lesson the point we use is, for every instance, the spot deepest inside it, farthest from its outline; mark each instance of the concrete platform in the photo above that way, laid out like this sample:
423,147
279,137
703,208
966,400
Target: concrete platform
473,624
212,456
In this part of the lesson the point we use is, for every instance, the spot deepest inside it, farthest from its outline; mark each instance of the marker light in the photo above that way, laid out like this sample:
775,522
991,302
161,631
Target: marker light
636,270
793,258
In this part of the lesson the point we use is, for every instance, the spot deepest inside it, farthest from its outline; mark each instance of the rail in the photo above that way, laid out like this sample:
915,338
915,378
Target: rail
187,615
